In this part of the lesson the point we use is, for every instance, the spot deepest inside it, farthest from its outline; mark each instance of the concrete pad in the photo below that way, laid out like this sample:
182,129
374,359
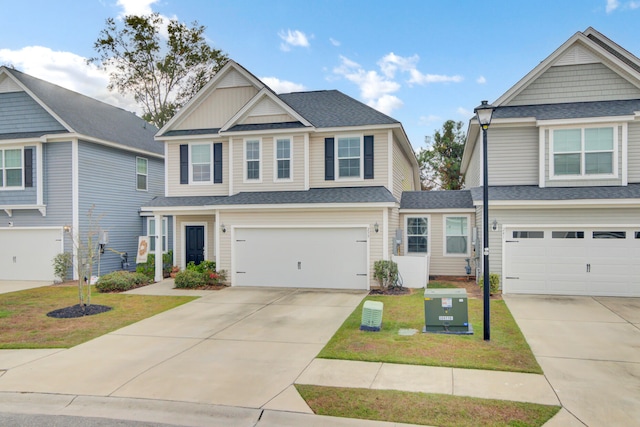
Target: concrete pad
513,386
97,367
627,308
289,323
290,419
247,295
193,320
33,403
7,286
327,299
12,358
583,340
289,400
340,373
424,379
236,373
560,308
563,419
598,393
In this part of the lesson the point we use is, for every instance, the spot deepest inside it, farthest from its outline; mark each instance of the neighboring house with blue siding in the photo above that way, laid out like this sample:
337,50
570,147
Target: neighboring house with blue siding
62,153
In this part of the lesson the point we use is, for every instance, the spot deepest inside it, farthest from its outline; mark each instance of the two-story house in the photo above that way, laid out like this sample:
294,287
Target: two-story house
300,189
564,173
62,153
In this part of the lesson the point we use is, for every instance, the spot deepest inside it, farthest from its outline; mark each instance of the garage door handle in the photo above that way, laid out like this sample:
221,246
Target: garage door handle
241,272
361,274
588,268
508,277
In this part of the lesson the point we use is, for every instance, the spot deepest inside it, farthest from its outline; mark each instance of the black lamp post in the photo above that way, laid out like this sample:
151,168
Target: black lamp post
483,113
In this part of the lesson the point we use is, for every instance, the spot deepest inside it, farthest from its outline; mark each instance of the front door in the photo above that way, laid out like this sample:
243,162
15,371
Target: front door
195,243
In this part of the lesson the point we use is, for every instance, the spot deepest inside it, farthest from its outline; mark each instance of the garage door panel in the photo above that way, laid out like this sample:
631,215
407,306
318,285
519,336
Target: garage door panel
27,253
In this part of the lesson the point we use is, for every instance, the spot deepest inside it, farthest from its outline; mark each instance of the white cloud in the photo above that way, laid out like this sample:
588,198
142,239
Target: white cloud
612,5
481,80
464,113
390,63
282,86
386,103
135,7
422,79
634,4
372,85
429,120
293,38
334,42
68,70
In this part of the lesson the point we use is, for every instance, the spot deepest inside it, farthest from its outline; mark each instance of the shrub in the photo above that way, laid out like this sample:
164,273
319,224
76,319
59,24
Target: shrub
61,265
386,272
189,279
494,283
203,267
149,268
215,277
120,281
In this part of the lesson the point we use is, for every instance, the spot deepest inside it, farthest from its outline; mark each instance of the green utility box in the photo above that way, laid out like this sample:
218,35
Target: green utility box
371,316
446,311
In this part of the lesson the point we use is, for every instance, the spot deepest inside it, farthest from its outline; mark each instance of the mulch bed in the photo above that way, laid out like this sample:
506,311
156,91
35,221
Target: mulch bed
78,311
390,291
473,290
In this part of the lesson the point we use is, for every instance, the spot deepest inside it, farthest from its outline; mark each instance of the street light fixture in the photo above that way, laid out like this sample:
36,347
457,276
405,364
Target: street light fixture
483,113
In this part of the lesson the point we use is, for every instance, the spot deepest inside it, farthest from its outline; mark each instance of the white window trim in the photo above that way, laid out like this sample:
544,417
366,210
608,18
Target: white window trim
406,235
583,176
275,159
4,187
444,236
244,156
337,158
145,174
210,181
163,237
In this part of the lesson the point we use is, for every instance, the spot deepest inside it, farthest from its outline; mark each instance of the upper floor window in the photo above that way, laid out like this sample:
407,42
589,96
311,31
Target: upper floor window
283,158
201,163
252,159
456,235
417,234
584,152
349,157
142,173
11,168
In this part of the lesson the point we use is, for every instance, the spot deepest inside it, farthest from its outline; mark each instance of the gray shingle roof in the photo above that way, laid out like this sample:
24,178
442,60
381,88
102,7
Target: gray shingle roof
525,192
436,200
88,116
188,132
314,195
332,108
615,53
569,110
266,126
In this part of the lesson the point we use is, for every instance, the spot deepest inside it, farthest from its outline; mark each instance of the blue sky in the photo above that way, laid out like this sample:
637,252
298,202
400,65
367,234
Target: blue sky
421,62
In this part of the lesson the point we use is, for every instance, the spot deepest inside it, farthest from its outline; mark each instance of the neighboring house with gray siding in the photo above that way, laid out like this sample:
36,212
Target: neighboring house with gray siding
62,153
564,173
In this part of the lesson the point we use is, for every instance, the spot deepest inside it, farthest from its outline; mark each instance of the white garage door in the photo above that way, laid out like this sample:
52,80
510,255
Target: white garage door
301,257
573,261
27,253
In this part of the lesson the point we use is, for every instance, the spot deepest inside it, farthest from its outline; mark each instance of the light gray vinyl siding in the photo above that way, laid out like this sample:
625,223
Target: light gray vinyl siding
107,181
20,113
633,152
26,196
576,83
513,155
473,177
568,217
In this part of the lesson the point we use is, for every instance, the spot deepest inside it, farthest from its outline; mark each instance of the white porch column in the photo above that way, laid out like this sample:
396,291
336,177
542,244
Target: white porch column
158,244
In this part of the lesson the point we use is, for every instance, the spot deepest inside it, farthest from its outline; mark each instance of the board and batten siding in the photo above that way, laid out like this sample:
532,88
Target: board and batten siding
21,114
576,83
107,181
297,218
557,217
268,166
380,161
633,152
174,188
402,171
513,155
218,107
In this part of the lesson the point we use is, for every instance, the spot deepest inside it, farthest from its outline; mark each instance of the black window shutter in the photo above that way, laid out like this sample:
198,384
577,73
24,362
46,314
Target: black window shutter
368,157
28,167
329,165
184,164
217,163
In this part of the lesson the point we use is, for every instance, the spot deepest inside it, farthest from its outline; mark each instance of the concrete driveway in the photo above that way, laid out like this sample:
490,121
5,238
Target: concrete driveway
589,349
241,347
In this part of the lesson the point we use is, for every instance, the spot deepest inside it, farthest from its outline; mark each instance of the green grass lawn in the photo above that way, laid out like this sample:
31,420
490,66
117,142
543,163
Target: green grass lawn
25,323
506,351
423,408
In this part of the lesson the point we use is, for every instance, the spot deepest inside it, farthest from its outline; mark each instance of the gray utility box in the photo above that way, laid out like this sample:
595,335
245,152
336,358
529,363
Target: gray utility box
446,311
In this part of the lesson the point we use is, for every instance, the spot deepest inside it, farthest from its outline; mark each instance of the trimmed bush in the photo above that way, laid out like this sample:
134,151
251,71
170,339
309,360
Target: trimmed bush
190,279
120,281
494,283
203,267
149,268
386,272
62,263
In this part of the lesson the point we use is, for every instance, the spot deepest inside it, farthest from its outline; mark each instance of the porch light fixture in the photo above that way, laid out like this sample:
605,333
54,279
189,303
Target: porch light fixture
66,228
223,228
376,227
494,225
483,113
